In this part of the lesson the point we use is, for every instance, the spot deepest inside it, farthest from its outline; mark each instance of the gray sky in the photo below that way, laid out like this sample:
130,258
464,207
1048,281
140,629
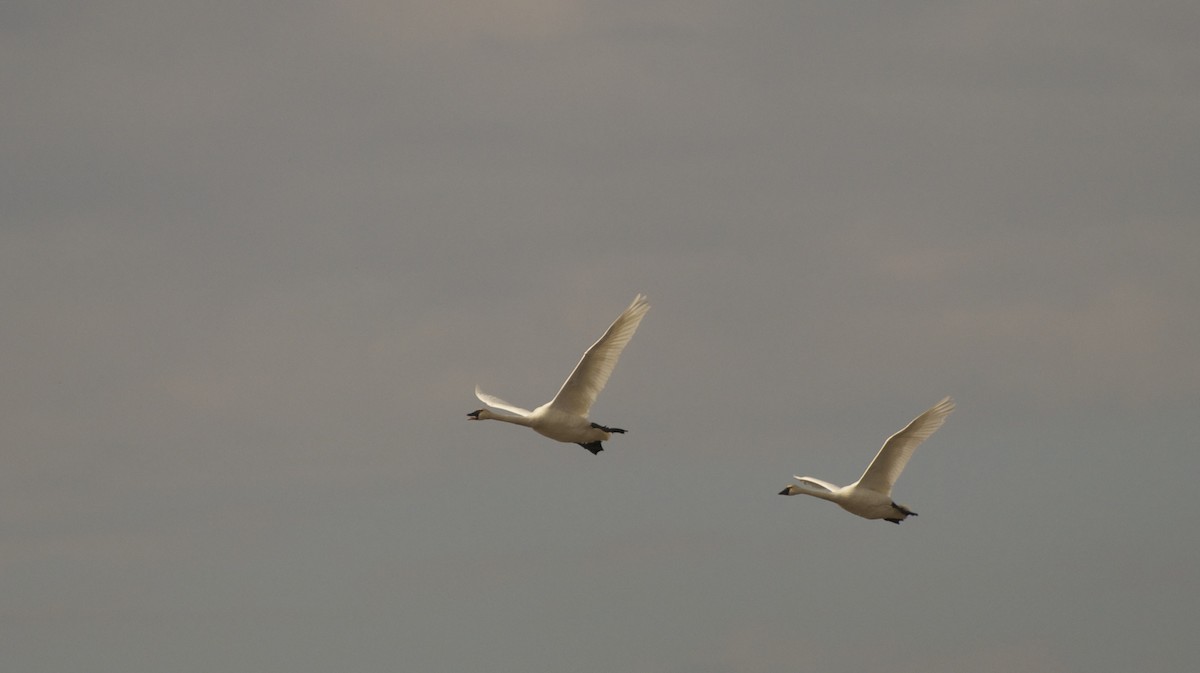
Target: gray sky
256,255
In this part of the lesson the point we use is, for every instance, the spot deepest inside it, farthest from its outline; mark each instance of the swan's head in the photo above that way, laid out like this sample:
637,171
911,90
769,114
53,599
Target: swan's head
477,414
791,489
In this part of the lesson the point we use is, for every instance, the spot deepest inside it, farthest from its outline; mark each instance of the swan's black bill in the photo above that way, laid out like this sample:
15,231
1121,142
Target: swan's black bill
785,491
474,415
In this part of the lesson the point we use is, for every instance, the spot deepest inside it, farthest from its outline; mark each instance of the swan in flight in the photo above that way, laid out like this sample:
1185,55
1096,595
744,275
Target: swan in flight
871,496
565,418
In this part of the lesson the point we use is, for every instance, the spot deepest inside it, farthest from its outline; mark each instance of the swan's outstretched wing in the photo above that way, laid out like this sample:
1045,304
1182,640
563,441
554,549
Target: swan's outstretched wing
493,401
898,448
585,383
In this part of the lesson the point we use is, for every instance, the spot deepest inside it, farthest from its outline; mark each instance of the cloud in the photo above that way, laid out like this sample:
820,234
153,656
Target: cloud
458,24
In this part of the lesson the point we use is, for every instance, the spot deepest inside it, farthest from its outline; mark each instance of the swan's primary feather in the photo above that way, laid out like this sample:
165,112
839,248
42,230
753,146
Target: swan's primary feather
580,389
493,401
893,456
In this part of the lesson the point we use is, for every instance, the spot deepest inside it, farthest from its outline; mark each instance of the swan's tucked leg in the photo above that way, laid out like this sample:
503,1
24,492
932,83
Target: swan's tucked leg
594,447
903,510
608,429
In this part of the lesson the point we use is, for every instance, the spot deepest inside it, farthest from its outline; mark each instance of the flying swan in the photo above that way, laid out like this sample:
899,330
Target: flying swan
565,418
871,496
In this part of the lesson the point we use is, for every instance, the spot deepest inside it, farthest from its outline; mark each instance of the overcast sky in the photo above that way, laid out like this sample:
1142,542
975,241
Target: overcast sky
255,256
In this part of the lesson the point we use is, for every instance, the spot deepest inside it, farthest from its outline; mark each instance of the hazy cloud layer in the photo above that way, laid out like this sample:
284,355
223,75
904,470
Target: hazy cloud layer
255,256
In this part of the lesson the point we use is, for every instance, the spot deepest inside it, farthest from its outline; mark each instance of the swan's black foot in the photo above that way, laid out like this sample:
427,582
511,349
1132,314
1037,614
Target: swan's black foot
894,520
903,510
594,447
608,429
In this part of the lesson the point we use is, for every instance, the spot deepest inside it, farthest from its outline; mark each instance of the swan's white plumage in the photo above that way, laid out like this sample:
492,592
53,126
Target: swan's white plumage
817,483
887,465
871,496
493,401
565,418
579,391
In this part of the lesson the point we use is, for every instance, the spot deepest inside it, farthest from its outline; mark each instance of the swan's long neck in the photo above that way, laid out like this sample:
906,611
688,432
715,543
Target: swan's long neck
817,489
487,415
817,493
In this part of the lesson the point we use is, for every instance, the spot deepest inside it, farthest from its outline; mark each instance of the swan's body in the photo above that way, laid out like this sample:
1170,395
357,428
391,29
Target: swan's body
565,418
871,496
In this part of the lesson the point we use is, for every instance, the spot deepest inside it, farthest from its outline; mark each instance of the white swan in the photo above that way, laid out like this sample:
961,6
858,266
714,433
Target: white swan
565,418
871,496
